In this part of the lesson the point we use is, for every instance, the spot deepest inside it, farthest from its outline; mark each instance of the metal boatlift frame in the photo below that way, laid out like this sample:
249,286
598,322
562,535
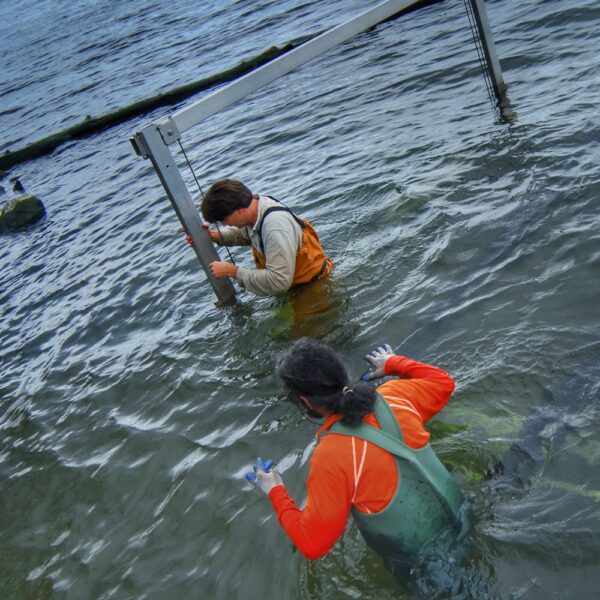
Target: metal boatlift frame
153,141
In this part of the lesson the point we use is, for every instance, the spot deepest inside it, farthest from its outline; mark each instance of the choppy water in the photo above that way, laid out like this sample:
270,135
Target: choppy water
130,406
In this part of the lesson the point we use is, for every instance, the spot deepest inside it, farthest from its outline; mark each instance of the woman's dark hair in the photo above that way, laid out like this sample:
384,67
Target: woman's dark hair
314,370
223,198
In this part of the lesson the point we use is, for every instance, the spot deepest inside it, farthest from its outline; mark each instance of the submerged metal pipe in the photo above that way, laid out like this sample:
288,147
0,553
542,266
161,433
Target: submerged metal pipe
149,144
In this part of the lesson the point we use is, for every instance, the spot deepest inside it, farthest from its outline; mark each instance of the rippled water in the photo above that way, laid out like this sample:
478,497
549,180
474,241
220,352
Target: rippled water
131,406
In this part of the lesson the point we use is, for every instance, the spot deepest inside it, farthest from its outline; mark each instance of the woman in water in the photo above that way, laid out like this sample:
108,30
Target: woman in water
373,457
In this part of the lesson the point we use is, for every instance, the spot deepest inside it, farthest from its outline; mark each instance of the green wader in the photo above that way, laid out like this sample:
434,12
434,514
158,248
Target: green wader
426,500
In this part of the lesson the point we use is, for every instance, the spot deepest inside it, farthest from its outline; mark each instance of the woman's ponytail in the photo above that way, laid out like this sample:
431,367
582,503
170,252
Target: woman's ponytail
356,403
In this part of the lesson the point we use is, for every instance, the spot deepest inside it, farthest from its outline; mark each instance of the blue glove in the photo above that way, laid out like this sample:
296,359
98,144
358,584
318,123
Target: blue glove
266,467
265,477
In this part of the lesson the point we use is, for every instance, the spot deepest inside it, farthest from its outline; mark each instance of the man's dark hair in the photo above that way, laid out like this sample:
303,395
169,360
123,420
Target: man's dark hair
223,198
314,370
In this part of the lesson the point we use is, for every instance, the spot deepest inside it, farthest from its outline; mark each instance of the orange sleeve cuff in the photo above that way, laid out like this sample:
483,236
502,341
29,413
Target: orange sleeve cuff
275,495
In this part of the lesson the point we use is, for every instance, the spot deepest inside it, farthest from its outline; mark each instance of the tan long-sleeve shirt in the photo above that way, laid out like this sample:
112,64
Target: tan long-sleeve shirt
282,238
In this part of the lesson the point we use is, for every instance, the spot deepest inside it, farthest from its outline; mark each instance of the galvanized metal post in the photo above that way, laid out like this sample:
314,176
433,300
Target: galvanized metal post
489,49
149,143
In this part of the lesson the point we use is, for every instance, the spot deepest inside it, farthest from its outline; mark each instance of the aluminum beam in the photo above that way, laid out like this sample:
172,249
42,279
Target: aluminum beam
149,143
187,117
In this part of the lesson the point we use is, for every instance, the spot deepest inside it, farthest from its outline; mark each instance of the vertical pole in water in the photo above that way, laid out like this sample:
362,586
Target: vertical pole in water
489,49
149,143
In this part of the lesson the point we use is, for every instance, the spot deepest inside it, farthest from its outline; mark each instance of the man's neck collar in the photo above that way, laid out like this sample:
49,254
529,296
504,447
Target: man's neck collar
253,210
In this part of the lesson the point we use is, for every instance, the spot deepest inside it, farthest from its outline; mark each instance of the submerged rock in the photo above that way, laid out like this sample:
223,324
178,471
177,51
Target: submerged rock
20,212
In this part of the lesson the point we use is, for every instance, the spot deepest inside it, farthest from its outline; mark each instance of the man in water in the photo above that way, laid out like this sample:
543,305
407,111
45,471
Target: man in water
287,251
373,458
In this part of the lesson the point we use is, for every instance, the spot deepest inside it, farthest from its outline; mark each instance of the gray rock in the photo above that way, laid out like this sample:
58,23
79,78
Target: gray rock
20,212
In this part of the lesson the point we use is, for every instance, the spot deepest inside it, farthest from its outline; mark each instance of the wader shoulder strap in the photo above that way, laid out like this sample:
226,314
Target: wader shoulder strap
424,460
378,437
268,212
386,418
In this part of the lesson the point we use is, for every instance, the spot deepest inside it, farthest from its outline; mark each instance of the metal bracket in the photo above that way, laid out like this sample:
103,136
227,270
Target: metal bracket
168,131
139,147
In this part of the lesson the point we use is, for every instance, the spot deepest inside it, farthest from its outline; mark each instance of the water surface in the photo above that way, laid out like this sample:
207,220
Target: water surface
131,406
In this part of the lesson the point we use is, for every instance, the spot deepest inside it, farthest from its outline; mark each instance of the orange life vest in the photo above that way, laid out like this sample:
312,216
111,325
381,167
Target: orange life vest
311,261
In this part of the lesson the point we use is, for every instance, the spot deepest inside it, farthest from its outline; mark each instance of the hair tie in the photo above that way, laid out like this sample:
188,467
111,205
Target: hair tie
346,390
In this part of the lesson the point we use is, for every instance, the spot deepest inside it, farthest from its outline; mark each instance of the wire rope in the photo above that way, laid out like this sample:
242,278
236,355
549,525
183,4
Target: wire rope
187,160
480,54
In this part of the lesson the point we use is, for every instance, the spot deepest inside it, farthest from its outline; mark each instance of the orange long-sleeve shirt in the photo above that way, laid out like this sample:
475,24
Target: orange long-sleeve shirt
347,471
